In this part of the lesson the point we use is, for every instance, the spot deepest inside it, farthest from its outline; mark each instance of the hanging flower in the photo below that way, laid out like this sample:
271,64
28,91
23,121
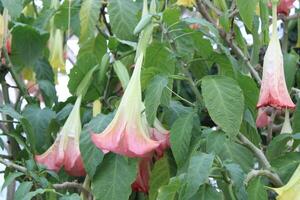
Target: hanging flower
141,184
56,57
291,190
186,3
285,6
126,134
65,150
273,90
262,119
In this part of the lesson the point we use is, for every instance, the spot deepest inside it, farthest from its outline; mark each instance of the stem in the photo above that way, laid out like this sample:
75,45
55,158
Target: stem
13,73
266,173
274,18
202,9
180,97
261,158
11,164
183,67
270,126
68,185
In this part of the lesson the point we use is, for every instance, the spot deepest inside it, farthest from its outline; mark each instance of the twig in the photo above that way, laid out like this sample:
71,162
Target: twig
270,126
228,40
260,156
180,97
8,121
5,156
69,185
11,164
18,82
273,178
102,12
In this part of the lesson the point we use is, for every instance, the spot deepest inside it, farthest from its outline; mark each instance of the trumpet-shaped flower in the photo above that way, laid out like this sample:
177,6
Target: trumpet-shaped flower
290,191
126,134
273,90
56,57
65,150
141,184
262,119
186,3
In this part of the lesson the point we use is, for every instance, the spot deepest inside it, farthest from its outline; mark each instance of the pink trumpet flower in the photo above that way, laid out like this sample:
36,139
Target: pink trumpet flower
262,119
127,134
141,183
65,150
273,90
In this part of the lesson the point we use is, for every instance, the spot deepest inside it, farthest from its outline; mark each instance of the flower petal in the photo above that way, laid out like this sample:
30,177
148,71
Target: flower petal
73,163
141,183
53,158
273,90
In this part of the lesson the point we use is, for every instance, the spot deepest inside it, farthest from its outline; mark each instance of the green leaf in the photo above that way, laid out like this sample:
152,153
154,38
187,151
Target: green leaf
224,101
61,18
27,45
290,66
180,137
43,70
89,14
122,73
48,92
113,178
160,176
44,17
277,146
169,192
286,164
23,189
123,18
153,96
256,189
198,173
9,110
10,178
296,116
250,91
91,155
14,7
30,195
237,177
40,120
90,54
227,150
70,197
207,192
247,11
248,128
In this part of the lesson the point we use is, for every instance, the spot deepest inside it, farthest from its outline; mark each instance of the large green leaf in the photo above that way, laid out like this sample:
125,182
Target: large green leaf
160,176
91,155
247,11
89,14
256,189
218,143
153,96
113,178
181,133
169,192
40,120
277,146
14,7
10,178
290,67
198,172
207,192
224,101
22,190
123,18
237,177
27,45
296,116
